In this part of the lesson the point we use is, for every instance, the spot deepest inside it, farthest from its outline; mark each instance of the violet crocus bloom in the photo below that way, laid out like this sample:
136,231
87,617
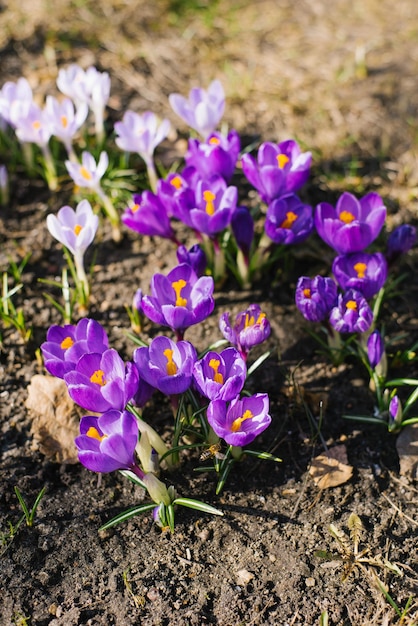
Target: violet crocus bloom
375,348
75,229
148,216
288,220
400,241
395,413
195,257
240,422
174,188
215,205
89,87
65,121
166,365
364,272
203,110
220,376
15,100
64,345
101,382
88,174
217,156
353,224
352,313
251,327
32,125
279,169
242,225
141,133
107,443
179,299
315,297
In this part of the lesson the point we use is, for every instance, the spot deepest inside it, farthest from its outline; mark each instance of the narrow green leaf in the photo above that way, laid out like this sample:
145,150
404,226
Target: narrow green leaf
122,517
22,504
265,456
170,517
257,363
198,505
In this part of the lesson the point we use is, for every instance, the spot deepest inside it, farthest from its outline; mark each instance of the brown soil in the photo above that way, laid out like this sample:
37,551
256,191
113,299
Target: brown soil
341,78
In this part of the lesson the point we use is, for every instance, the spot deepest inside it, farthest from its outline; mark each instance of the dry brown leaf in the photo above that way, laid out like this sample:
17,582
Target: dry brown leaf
56,418
407,448
331,469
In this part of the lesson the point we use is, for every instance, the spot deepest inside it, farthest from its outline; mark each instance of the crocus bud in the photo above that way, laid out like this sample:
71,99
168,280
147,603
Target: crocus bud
401,240
4,185
375,348
156,489
395,414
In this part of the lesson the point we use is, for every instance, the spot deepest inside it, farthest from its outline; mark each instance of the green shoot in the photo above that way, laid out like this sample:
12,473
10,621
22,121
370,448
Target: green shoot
29,514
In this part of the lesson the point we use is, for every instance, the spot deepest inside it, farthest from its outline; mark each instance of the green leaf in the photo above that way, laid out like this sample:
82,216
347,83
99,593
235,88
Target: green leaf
257,363
198,505
265,456
170,517
122,517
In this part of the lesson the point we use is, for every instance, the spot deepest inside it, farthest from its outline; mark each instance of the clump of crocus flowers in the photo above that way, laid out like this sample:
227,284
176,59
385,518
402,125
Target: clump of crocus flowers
115,436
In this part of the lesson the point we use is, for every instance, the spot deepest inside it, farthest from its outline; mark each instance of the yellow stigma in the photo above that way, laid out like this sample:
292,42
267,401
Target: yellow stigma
209,197
77,229
36,125
94,434
85,173
214,141
67,343
290,218
236,424
360,269
282,159
135,208
178,285
64,121
307,293
351,304
171,366
346,217
176,182
217,376
98,378
250,321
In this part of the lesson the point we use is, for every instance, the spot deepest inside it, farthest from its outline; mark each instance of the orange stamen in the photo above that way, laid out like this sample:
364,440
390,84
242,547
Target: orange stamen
171,366
217,376
290,218
94,434
77,229
178,285
282,160
66,343
98,378
209,197
347,217
360,269
236,424
351,304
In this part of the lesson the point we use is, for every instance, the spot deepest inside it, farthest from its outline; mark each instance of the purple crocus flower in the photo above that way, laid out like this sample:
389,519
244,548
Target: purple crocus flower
177,187
64,345
204,108
375,348
251,327
352,313
141,133
288,220
400,240
15,100
220,376
215,205
240,422
364,272
217,156
395,413
107,443
179,299
101,382
315,297
148,216
32,124
166,365
65,121
195,257
242,225
353,224
88,173
74,229
279,169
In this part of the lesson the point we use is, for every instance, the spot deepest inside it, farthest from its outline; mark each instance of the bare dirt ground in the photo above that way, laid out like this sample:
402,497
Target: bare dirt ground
341,78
